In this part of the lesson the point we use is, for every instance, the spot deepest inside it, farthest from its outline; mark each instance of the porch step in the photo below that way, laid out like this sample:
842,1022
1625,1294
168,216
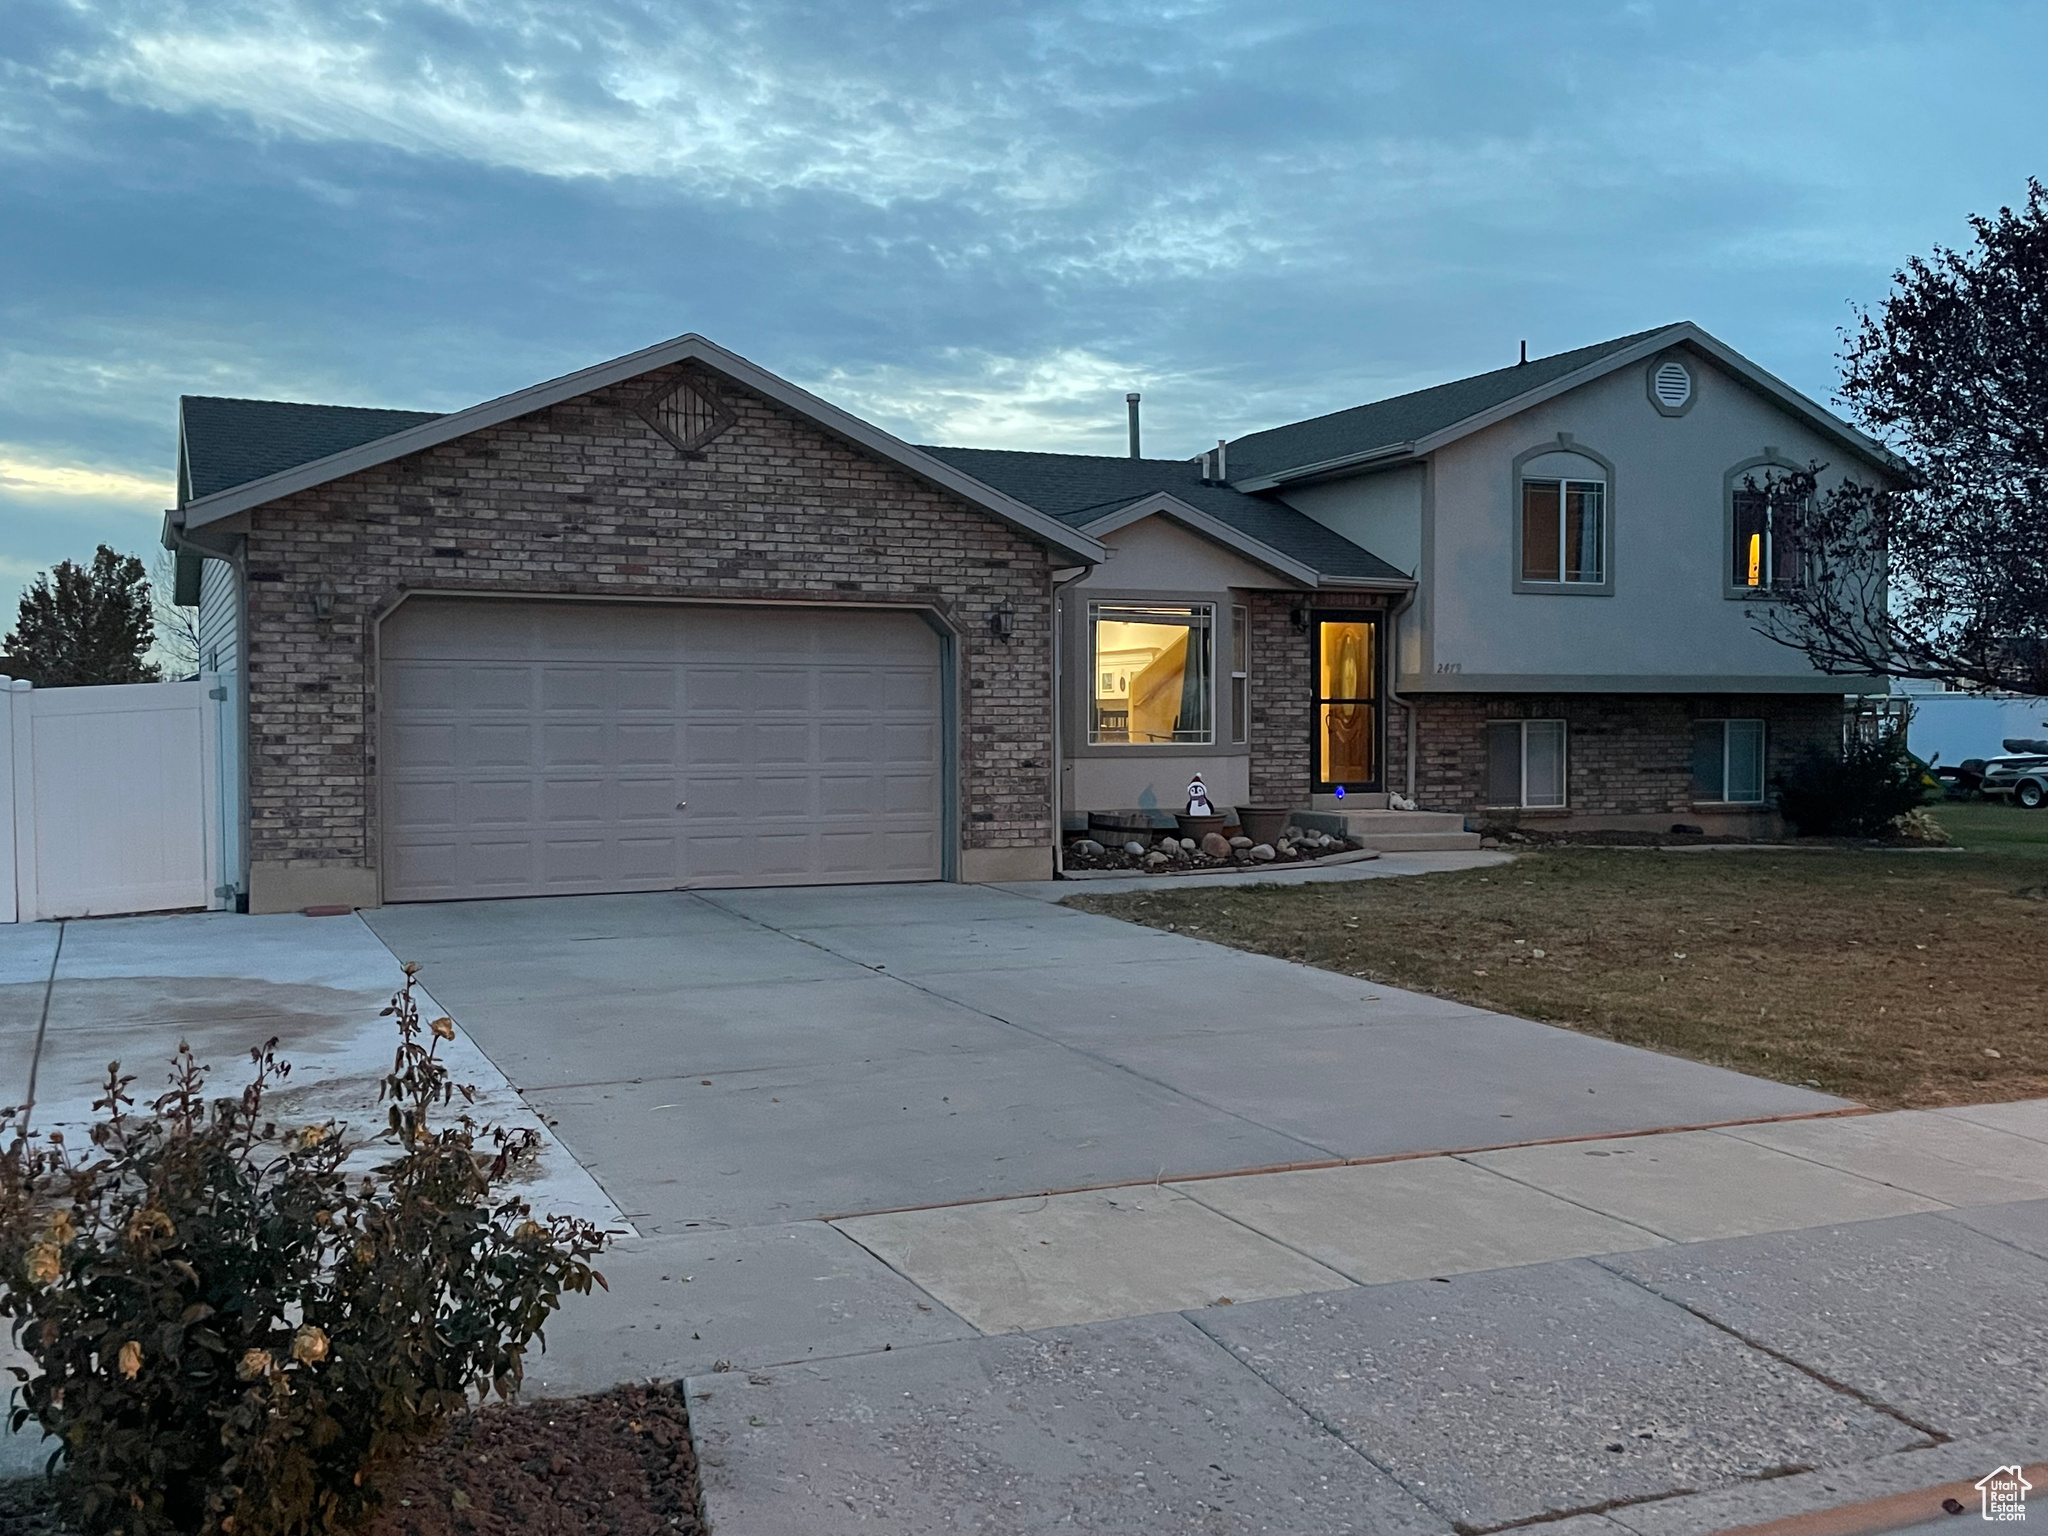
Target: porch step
1396,831
1417,842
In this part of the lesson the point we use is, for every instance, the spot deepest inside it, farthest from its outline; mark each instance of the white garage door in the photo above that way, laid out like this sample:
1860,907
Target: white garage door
541,748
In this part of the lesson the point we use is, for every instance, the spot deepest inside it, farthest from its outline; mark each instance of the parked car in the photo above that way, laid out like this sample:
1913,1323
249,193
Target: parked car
2022,774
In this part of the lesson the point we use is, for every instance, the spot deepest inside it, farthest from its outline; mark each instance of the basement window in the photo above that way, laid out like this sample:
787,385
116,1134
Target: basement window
1728,761
1525,763
1153,668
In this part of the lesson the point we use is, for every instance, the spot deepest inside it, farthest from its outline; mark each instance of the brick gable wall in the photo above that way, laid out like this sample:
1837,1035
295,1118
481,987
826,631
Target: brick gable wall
585,499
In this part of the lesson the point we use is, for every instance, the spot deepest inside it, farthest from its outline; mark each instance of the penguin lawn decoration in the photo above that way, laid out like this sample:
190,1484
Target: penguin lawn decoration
1198,798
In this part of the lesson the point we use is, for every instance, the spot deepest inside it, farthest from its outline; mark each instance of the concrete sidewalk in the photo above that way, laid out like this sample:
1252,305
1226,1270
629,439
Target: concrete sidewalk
1661,1334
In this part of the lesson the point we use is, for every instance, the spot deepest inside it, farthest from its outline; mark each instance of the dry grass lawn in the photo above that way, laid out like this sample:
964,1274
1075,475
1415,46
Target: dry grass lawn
1898,979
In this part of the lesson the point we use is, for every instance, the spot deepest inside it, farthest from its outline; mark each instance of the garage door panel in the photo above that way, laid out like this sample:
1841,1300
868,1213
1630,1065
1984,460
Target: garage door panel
714,690
486,744
646,746
421,685
498,804
907,743
646,688
545,746
909,794
849,794
575,744
651,799
427,806
424,745
709,745
495,688
779,742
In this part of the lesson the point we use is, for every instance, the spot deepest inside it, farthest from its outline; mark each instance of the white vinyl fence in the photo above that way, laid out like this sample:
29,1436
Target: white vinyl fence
115,799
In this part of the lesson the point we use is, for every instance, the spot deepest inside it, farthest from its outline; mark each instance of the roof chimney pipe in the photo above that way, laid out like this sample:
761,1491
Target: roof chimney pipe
1222,460
1131,405
1525,350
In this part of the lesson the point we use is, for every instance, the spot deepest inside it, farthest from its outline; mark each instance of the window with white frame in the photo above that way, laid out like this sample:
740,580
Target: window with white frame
1153,666
1564,531
1240,674
1728,761
1525,763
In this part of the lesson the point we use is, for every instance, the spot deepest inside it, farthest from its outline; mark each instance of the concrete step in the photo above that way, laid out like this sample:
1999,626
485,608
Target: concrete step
1417,842
1370,822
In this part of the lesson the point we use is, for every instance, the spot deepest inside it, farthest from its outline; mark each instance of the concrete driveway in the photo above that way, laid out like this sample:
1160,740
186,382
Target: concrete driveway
732,1059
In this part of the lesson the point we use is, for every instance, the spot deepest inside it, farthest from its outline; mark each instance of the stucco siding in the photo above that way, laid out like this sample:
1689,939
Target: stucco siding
1158,558
1668,615
1380,512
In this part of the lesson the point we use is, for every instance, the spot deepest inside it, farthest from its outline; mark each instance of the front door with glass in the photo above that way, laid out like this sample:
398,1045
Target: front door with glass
1347,713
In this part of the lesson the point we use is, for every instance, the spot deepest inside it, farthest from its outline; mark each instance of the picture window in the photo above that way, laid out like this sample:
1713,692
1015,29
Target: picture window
1153,666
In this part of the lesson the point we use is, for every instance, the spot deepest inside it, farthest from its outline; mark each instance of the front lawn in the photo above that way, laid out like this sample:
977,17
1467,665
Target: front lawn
1897,979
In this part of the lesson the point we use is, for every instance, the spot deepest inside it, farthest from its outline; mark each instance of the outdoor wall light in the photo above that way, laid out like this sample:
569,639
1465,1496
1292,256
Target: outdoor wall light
1298,617
1003,620
323,601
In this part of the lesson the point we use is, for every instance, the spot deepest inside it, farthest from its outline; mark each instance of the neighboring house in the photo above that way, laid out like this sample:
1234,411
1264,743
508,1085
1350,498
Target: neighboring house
672,621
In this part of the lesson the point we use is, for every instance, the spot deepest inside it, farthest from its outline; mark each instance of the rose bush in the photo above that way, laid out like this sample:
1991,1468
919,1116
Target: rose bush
240,1325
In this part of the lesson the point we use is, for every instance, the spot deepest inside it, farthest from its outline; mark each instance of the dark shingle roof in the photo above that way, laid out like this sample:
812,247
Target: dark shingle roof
231,442
1404,418
1078,488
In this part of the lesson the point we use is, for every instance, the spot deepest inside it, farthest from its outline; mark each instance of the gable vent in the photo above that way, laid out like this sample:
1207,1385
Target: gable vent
1673,385
689,415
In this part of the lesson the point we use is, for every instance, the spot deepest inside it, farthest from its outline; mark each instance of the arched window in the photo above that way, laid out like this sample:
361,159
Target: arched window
1759,554
1564,520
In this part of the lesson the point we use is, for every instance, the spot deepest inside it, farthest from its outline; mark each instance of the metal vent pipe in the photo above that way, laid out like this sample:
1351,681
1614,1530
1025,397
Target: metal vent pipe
1131,405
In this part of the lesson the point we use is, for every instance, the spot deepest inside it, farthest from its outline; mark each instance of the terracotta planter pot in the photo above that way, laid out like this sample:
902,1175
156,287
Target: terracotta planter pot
1199,827
1264,823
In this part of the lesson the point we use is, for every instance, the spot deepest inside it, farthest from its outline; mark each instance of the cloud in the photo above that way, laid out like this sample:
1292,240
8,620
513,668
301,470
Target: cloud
25,474
1069,400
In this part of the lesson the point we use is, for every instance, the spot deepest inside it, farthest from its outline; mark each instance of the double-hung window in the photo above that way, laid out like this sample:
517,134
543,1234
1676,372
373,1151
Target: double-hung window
1728,761
1525,763
1564,531
1153,667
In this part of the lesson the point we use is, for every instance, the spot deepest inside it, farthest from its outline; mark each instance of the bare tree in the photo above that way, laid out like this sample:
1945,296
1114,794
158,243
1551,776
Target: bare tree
1946,576
177,627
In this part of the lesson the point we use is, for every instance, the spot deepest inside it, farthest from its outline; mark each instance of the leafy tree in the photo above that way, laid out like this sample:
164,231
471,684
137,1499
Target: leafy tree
86,624
1946,577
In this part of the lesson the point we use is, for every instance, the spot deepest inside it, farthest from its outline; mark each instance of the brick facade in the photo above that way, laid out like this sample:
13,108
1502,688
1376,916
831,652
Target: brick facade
584,499
1626,755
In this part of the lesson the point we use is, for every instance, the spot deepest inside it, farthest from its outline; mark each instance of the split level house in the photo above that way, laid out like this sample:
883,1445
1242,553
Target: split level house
672,621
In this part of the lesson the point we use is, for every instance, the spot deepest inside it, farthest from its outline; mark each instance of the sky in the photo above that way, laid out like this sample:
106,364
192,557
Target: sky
973,223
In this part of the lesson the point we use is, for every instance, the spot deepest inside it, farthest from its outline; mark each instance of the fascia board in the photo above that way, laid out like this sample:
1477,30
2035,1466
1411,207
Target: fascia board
691,348
1165,504
1324,467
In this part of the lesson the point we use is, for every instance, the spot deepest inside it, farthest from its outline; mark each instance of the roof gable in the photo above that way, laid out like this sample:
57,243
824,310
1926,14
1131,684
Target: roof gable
425,430
1093,491
1418,423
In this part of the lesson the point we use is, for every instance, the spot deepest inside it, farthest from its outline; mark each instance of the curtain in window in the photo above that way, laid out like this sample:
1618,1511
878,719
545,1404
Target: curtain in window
1504,762
1582,514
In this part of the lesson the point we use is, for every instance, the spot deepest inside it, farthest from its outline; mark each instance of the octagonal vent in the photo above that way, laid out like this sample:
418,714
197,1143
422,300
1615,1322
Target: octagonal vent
1672,385
689,414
